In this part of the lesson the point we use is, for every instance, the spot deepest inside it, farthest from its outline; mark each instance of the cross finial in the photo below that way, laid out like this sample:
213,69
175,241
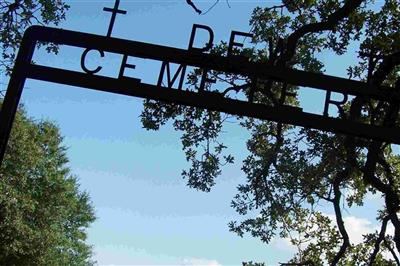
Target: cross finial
114,12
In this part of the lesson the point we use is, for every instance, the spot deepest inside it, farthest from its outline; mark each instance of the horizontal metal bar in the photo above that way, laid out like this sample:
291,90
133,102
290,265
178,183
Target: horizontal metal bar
212,101
212,62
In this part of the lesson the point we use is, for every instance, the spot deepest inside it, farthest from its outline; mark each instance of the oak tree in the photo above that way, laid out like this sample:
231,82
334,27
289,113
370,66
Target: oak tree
291,171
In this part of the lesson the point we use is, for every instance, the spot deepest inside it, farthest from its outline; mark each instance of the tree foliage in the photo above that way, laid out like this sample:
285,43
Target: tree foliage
43,215
291,171
17,15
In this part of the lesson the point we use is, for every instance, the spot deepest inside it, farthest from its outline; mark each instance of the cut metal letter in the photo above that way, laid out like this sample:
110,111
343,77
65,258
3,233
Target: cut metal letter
193,34
232,40
124,65
338,104
170,82
83,59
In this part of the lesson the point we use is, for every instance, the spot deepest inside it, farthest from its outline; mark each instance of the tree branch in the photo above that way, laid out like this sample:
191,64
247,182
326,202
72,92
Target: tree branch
339,219
381,238
388,64
211,7
329,24
389,247
392,199
190,3
235,88
276,7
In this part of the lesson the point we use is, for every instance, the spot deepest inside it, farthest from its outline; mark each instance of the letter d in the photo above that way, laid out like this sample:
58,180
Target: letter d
193,34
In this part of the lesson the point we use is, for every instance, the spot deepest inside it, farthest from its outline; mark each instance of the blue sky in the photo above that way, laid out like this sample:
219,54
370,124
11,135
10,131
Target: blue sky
145,213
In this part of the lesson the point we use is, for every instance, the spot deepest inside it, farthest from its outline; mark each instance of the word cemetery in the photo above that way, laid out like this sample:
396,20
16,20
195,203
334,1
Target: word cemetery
168,85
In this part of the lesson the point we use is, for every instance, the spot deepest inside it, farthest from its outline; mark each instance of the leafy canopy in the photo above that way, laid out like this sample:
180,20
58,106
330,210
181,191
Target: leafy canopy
17,15
291,171
43,215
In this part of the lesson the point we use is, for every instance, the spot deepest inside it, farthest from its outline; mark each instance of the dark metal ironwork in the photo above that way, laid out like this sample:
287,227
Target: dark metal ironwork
203,99
114,11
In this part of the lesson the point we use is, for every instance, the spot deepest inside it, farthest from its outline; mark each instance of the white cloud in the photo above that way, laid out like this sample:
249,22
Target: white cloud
357,227
200,262
119,255
283,244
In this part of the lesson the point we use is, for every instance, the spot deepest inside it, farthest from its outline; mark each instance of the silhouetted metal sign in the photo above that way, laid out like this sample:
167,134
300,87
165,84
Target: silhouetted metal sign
173,91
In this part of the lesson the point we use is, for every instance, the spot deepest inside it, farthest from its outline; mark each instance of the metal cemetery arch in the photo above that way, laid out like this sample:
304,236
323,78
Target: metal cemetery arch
204,99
